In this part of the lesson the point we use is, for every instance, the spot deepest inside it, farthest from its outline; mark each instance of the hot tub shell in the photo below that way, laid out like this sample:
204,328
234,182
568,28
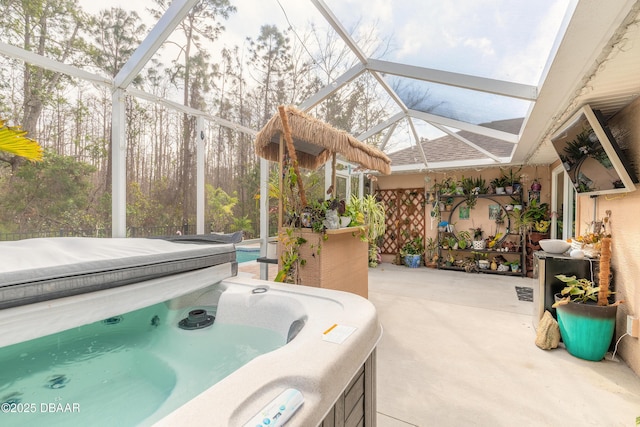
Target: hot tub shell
337,380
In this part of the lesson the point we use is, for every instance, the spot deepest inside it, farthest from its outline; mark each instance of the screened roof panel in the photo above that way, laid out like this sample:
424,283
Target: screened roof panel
505,44
504,39
457,103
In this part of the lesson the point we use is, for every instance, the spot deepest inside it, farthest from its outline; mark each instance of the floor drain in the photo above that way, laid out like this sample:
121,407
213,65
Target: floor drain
524,294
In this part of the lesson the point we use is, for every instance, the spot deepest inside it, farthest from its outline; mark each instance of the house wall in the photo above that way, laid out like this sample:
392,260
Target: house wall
479,216
625,232
625,226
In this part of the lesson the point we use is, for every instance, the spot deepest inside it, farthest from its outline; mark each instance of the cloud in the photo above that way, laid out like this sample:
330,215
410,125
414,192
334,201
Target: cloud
482,44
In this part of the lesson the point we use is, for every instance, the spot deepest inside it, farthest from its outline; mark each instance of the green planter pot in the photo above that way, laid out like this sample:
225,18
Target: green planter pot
412,261
586,329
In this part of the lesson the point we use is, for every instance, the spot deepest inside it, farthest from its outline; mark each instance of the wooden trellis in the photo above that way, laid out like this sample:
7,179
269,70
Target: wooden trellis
405,216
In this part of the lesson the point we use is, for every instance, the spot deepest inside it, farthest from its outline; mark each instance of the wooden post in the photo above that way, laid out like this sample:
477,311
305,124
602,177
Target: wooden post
280,183
333,176
292,152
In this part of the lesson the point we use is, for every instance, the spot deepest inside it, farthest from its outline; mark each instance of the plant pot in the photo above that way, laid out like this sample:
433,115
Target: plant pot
272,250
535,237
586,329
431,264
412,261
479,244
500,190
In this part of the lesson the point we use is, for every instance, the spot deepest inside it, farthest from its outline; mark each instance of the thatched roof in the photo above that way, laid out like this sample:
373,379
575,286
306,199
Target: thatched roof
316,141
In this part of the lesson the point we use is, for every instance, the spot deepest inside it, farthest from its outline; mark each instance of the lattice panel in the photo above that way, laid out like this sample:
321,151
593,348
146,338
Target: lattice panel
405,216
389,242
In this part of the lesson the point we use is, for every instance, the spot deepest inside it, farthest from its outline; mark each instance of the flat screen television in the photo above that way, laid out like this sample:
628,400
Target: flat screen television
593,160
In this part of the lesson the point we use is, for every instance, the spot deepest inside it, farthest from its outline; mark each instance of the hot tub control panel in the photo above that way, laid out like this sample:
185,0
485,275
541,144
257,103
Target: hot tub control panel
279,410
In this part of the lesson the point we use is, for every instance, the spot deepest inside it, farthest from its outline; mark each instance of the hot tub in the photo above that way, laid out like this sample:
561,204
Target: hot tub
319,342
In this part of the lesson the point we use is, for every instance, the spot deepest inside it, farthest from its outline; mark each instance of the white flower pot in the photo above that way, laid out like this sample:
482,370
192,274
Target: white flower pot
479,244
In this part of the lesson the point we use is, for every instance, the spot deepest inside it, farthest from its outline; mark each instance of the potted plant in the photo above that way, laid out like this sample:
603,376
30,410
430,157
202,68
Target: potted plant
586,316
478,242
464,239
536,185
512,181
537,215
431,253
498,184
370,213
412,251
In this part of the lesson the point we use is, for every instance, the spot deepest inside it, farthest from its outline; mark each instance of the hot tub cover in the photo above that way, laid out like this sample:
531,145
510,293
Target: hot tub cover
35,270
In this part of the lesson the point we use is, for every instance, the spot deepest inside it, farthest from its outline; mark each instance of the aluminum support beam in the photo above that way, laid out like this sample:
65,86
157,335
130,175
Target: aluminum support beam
480,130
191,111
200,193
466,141
417,141
342,32
174,15
53,65
326,91
264,216
381,126
387,137
119,165
465,81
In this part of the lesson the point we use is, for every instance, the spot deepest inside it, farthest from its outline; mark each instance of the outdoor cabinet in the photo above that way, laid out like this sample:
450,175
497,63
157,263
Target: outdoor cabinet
546,267
340,262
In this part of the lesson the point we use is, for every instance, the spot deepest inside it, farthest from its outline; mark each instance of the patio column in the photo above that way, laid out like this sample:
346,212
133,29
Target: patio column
200,175
119,166
264,216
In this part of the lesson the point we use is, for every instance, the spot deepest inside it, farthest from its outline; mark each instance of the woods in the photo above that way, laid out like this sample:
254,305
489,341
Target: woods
71,118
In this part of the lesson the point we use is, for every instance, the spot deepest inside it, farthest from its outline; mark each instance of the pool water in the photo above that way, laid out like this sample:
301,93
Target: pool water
128,370
246,254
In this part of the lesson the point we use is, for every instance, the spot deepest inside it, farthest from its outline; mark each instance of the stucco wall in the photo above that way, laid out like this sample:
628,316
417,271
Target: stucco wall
625,231
625,222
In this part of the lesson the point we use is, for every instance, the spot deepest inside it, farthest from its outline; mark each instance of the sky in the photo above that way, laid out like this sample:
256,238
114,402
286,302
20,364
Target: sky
500,39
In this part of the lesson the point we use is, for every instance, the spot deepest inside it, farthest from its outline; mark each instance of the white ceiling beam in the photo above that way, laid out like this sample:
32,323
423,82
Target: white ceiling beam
387,137
457,124
466,141
456,164
392,93
465,81
326,91
342,32
417,141
346,37
191,111
381,126
158,34
53,65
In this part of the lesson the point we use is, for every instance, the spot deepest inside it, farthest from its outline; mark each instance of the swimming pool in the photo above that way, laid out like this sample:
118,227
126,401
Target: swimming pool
245,254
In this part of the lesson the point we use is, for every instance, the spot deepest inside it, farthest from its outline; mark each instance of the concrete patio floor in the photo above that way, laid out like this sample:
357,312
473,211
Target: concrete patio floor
458,350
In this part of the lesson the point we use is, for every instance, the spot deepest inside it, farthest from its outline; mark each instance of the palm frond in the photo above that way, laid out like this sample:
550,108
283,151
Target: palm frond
14,141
